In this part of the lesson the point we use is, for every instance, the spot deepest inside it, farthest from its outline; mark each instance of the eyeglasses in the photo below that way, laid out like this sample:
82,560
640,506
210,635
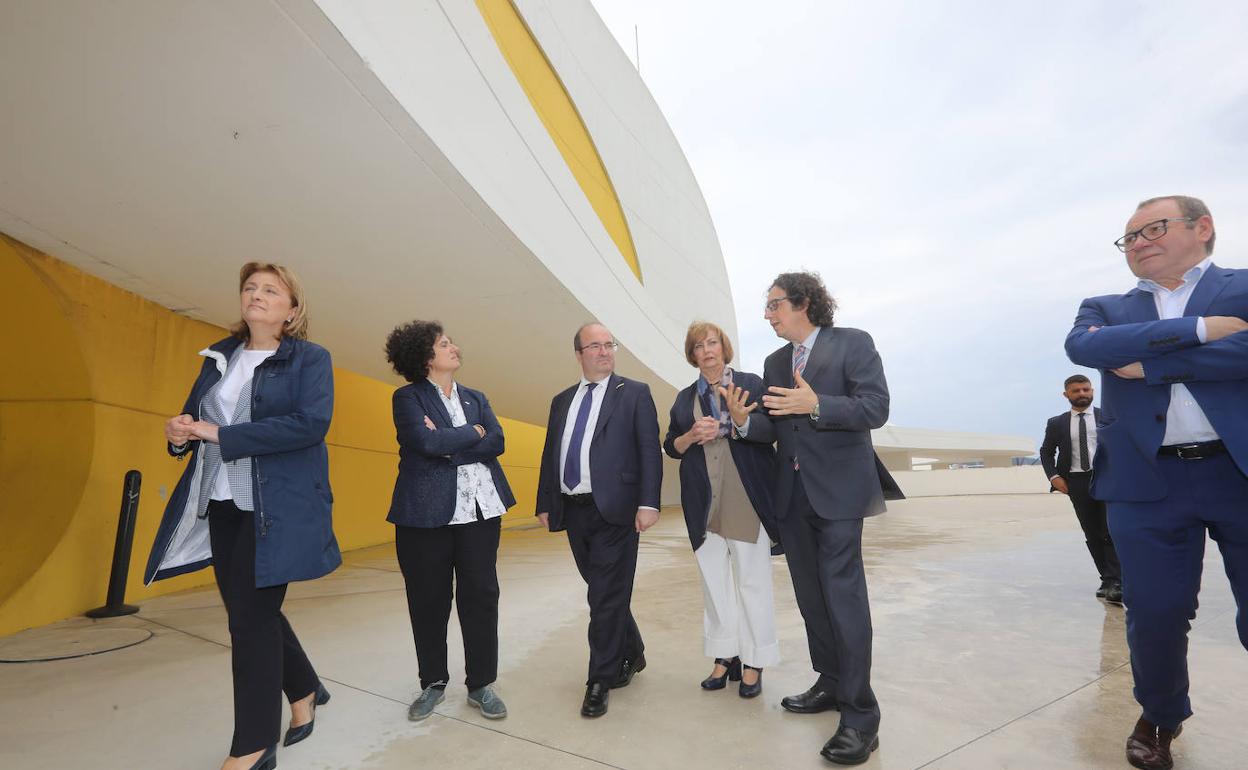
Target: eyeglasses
1151,232
600,347
773,304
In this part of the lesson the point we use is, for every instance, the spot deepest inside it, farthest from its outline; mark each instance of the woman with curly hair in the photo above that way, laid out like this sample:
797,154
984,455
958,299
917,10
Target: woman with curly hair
447,508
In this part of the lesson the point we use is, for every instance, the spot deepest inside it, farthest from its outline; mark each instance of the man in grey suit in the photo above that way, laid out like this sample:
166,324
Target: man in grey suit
825,392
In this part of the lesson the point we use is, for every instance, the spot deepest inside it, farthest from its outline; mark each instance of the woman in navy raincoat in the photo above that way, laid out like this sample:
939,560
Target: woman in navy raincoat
254,501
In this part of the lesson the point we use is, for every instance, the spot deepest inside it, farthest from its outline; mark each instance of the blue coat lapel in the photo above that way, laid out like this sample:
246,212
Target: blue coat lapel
1140,306
819,357
1211,285
433,404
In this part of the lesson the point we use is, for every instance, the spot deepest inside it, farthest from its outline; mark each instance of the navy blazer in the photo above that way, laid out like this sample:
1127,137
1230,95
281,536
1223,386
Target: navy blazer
843,477
424,492
292,401
755,463
625,461
1134,411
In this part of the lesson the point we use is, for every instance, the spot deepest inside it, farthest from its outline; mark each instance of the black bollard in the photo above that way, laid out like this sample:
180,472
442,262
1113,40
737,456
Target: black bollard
115,604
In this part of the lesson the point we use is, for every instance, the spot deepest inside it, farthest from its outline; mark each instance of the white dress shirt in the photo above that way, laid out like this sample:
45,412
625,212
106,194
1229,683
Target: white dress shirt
1075,456
1185,420
474,485
569,424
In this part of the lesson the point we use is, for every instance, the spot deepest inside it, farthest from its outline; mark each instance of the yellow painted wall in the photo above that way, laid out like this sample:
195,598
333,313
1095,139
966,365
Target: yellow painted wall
558,114
90,373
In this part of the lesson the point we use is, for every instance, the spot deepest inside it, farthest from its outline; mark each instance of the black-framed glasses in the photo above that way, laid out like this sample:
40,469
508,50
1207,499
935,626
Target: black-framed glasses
600,347
773,304
1150,232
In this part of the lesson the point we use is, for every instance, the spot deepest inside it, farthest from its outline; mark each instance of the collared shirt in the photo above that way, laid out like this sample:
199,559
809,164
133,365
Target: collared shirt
596,395
236,377
1076,465
474,485
809,342
1185,420
569,423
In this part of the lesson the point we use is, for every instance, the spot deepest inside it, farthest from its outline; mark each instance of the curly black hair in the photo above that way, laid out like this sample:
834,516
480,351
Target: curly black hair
807,290
409,348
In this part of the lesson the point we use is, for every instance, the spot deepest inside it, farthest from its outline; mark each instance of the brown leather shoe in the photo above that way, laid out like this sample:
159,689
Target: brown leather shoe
1148,747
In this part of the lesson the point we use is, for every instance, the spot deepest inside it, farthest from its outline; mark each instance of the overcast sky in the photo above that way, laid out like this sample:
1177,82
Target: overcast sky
956,171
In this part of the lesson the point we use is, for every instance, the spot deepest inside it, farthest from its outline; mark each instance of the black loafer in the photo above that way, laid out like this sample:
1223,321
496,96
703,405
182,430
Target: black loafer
1113,593
595,703
850,746
296,734
812,701
732,670
751,690
629,667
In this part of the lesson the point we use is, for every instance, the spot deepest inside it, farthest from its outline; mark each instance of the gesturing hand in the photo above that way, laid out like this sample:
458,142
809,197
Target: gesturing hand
799,400
736,398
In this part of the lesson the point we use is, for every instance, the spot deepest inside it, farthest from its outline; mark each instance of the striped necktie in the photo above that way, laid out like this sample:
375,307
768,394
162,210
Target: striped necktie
799,360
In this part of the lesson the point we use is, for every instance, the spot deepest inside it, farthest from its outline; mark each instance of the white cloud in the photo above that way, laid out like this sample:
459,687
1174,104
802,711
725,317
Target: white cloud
956,171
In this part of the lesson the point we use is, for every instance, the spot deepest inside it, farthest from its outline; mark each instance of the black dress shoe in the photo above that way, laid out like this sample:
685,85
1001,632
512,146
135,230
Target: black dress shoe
296,734
812,701
1148,746
595,703
628,667
732,670
751,690
1100,592
850,746
1113,593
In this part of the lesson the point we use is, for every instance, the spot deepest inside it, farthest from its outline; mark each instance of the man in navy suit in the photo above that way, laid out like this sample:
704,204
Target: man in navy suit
599,480
1173,444
1066,455
825,393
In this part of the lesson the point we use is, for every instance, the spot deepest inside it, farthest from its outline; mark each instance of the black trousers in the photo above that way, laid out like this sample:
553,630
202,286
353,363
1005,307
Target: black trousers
1091,515
265,653
435,563
825,562
606,556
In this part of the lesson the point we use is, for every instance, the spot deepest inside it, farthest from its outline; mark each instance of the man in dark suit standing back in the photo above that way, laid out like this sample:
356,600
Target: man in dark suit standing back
825,393
599,480
1066,455
1172,455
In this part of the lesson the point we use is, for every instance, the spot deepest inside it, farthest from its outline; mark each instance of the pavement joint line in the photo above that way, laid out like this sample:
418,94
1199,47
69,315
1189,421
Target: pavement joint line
1022,716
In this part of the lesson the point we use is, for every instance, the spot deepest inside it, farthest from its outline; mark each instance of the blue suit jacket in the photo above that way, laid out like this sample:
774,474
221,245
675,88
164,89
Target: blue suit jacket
625,462
1133,412
424,492
755,464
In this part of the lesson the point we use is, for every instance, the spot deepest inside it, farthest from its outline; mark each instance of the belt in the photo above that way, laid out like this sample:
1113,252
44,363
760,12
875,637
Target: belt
1196,451
585,498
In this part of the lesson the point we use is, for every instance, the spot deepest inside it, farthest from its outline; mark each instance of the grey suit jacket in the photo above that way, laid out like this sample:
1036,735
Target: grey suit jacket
840,471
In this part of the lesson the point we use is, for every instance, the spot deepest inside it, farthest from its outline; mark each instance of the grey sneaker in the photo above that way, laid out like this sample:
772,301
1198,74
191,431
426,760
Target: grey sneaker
422,707
488,701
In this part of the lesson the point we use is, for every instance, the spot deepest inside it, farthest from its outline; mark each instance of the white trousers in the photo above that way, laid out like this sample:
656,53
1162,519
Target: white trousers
740,616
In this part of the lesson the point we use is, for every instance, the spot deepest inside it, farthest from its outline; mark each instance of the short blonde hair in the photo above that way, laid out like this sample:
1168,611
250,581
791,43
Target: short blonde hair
700,330
297,327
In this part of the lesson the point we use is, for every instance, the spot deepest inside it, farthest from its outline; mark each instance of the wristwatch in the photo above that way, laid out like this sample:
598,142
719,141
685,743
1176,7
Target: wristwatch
814,413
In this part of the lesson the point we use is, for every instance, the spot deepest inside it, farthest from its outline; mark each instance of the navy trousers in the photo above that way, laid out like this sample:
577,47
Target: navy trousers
1161,545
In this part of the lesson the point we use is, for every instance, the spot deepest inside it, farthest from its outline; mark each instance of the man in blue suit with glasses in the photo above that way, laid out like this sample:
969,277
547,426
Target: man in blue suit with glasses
1172,448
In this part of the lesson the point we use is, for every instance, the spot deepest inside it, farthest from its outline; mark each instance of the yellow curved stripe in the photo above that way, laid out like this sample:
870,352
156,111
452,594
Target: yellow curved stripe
557,112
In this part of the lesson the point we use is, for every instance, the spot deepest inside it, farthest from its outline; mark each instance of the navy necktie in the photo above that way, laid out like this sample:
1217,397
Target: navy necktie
1083,442
572,465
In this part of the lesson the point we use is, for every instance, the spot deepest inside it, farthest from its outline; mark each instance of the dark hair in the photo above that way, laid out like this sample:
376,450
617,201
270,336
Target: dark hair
806,290
1191,208
1072,379
576,338
409,348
